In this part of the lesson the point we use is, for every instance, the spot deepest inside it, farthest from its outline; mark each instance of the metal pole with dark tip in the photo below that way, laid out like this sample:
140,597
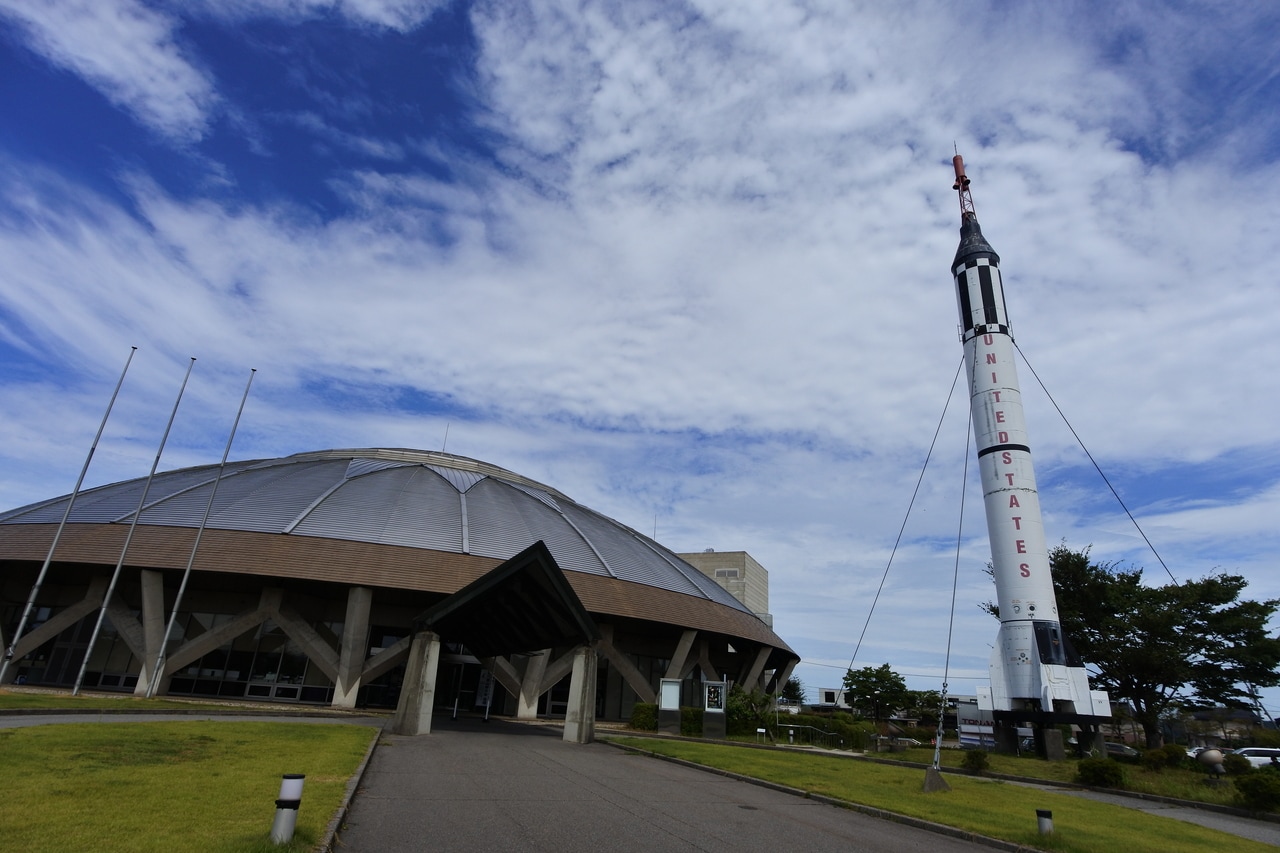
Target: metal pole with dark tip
75,493
1044,819
287,808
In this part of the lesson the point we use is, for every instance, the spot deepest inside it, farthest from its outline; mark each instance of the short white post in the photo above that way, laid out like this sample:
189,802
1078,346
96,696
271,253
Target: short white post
287,808
1044,818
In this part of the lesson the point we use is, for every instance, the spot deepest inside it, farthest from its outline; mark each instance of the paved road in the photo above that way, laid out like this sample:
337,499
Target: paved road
471,786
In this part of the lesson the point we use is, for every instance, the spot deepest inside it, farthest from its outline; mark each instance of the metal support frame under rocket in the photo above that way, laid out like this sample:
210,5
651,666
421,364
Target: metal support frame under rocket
1034,671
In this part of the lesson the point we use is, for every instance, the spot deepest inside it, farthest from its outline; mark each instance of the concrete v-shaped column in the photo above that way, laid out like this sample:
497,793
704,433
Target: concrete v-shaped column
535,671
355,641
417,694
580,716
629,671
59,622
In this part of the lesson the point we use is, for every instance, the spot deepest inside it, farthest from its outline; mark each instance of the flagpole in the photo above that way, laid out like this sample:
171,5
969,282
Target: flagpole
115,576
48,560
158,670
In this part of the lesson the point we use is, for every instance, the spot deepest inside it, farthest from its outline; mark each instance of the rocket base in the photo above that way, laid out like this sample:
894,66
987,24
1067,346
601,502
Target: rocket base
1037,684
1046,738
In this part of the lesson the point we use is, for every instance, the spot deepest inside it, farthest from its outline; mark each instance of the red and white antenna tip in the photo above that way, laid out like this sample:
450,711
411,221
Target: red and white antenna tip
962,187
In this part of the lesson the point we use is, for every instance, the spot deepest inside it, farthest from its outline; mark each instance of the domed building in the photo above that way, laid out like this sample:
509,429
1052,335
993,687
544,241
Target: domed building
313,574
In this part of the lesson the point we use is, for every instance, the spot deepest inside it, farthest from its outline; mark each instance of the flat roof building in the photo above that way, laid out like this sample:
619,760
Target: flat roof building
740,575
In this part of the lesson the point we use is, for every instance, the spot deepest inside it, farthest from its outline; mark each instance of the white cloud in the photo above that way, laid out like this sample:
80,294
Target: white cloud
129,52
708,282
403,15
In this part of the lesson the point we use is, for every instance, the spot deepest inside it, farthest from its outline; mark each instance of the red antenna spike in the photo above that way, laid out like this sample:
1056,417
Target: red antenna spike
962,187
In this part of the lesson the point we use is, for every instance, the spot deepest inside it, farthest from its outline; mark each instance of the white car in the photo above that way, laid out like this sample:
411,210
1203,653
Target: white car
1259,756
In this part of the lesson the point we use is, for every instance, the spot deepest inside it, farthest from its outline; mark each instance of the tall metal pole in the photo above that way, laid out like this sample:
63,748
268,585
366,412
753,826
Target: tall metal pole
158,670
115,576
48,560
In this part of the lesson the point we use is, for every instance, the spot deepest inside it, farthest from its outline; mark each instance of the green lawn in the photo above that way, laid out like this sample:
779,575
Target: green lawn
1177,782
997,809
170,786
23,700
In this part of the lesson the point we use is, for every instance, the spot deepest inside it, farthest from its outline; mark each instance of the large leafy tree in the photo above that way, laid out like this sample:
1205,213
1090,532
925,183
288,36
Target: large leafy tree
1160,647
877,689
793,691
923,705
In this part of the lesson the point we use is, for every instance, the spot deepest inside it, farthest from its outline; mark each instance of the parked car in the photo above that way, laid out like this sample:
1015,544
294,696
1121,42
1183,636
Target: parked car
1259,756
1121,749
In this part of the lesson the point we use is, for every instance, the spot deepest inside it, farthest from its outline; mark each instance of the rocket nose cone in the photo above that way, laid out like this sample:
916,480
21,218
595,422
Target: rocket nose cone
972,243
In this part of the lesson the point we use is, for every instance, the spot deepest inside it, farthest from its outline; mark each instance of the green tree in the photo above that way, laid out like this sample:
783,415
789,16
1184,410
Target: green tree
879,690
747,712
1161,647
923,705
793,691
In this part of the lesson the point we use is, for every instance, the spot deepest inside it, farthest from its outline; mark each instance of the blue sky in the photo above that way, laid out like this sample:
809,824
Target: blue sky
686,262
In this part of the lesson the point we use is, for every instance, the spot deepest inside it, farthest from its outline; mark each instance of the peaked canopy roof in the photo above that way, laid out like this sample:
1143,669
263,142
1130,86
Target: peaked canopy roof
523,605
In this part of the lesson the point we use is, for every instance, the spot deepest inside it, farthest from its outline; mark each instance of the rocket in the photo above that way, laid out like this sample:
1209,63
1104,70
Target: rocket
1033,666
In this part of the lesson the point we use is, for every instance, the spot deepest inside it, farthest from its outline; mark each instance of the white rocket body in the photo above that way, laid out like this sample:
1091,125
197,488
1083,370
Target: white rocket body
1032,659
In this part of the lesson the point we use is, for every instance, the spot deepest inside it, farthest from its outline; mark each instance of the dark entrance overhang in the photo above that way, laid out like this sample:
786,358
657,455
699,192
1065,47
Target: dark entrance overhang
524,605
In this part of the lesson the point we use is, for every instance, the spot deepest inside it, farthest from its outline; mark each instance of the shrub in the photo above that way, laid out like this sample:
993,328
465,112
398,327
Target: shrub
746,712
691,722
1100,773
1236,765
849,734
975,760
1154,759
644,717
1175,754
1258,792
924,734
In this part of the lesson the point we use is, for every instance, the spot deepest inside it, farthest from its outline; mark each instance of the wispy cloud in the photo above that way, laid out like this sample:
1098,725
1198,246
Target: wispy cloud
128,51
689,264
402,15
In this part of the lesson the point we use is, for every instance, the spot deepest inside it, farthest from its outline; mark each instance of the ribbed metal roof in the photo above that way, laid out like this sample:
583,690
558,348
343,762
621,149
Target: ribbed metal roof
414,498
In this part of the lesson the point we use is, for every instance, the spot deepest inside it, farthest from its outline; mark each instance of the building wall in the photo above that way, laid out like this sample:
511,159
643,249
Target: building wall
740,574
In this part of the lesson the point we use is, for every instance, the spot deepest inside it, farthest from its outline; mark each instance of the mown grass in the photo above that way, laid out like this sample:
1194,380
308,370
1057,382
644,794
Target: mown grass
35,701
1177,782
996,809
170,786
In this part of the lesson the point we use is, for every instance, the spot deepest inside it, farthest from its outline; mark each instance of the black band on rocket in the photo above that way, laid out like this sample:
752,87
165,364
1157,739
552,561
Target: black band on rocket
996,448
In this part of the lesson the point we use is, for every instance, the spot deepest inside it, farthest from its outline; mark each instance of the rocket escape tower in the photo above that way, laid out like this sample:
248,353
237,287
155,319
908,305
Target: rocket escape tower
1037,679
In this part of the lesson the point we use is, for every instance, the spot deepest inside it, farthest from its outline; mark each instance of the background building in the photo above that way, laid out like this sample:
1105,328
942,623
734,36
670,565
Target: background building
740,574
313,568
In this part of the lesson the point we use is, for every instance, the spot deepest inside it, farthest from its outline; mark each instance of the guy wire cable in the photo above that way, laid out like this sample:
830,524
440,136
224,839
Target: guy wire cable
911,504
1096,466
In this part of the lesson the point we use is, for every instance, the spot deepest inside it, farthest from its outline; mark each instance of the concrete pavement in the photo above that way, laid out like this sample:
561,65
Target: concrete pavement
472,786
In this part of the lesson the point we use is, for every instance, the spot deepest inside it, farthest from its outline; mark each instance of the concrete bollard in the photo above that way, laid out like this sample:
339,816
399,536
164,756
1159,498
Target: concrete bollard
1044,818
287,808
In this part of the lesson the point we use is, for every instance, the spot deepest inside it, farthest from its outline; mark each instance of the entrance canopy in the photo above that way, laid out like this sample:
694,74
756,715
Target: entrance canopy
524,605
